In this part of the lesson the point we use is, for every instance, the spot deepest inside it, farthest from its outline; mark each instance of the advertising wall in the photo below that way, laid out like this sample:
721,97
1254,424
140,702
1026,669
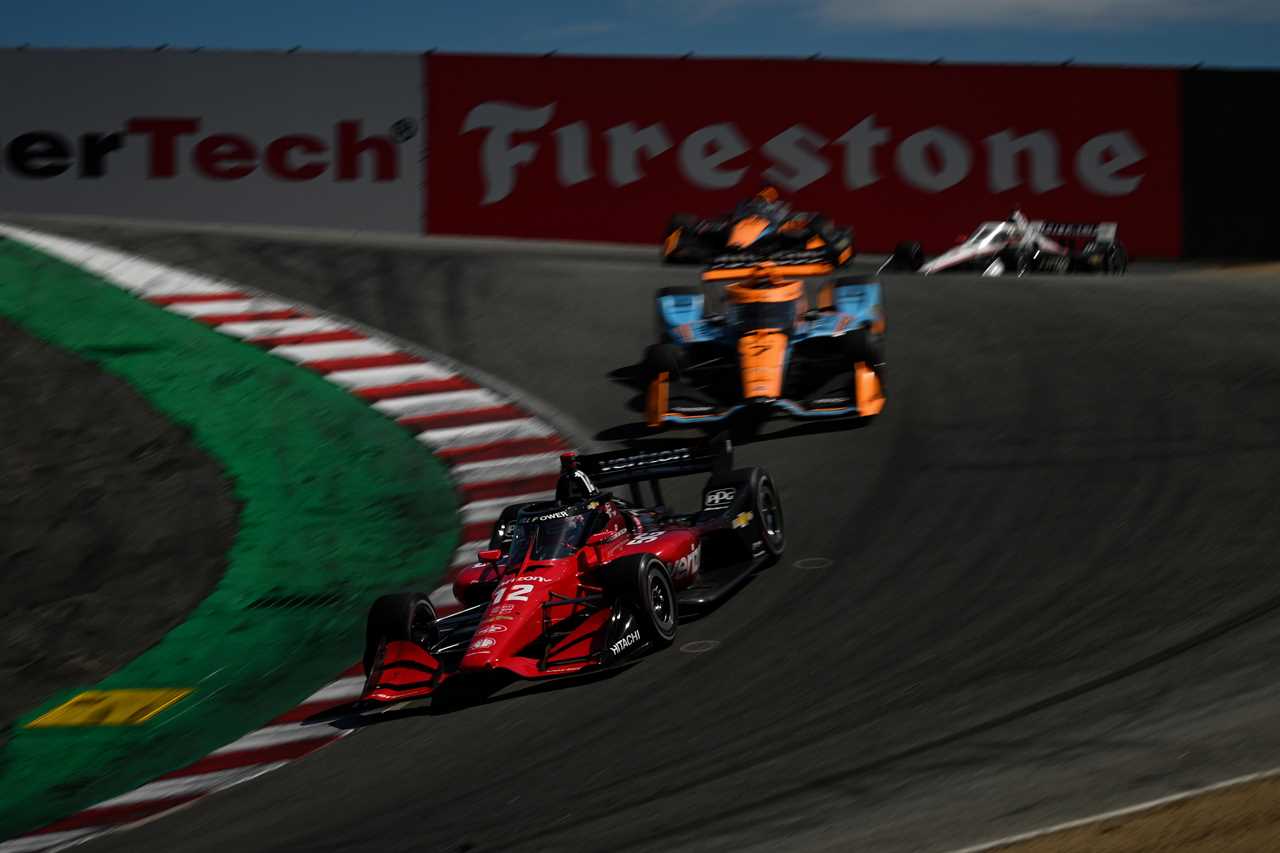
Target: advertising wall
320,140
607,149
604,148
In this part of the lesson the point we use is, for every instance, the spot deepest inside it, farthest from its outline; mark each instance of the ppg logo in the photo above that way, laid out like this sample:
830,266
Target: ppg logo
719,497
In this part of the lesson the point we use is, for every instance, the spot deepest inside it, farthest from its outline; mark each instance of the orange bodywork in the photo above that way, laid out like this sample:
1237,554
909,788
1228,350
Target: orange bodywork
761,355
868,390
746,231
815,242
673,240
655,403
781,290
744,273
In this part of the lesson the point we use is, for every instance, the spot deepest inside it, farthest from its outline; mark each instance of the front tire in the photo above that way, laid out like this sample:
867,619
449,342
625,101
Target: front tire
399,617
644,583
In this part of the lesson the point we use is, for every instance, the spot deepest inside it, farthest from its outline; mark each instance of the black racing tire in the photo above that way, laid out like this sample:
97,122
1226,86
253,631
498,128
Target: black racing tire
907,255
1017,262
1117,259
843,239
856,345
644,583
664,358
765,505
684,222
769,514
399,616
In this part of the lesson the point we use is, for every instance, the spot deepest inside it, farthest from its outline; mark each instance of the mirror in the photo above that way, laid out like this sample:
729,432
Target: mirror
599,537
490,555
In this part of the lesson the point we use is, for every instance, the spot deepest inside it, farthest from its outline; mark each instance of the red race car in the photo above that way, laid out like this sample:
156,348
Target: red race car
586,581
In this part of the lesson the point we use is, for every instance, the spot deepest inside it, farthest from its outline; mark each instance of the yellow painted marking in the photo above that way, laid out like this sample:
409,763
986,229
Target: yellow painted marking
110,708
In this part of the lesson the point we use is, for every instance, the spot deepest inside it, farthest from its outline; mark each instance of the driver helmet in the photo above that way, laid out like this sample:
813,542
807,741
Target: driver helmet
574,485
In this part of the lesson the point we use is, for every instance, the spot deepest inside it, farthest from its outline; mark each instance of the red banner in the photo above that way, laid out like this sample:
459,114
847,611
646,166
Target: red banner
607,149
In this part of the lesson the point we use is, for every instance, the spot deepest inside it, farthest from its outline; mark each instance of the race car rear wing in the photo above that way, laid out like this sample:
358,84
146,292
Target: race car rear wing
1102,231
634,465
740,267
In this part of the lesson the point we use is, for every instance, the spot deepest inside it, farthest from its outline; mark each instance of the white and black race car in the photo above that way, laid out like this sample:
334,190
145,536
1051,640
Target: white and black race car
1018,246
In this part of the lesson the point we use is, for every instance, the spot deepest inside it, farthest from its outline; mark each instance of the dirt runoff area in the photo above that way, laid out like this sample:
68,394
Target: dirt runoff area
1242,818
113,525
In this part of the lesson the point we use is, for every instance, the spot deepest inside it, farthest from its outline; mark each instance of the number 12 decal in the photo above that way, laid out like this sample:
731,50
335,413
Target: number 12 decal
516,592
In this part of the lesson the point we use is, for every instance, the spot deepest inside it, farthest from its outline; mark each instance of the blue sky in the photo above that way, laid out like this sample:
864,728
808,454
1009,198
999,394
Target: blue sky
1160,32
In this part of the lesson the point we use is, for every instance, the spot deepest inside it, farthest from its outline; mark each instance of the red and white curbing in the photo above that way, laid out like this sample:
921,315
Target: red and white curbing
497,450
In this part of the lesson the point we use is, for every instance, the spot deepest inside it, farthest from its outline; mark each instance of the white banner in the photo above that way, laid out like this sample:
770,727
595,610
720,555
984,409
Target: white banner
312,140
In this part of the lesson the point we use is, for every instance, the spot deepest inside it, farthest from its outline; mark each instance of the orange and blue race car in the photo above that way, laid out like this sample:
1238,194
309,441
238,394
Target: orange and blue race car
772,345
761,228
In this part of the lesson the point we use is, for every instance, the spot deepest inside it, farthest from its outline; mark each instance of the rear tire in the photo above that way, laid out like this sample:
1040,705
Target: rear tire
664,358
399,617
766,506
1016,262
908,255
644,583
769,514
1117,259
683,222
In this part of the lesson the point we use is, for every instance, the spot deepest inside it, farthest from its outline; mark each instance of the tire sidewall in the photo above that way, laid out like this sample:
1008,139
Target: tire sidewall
391,619
651,571
764,490
629,579
664,358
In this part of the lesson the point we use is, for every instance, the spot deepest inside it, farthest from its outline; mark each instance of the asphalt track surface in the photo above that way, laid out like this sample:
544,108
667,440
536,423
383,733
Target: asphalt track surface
1052,586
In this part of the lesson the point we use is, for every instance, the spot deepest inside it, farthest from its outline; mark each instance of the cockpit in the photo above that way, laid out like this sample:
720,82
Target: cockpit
989,232
551,531
759,305
773,211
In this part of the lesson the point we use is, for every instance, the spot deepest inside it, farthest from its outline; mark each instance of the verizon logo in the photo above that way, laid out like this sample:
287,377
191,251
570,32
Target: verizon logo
931,160
176,145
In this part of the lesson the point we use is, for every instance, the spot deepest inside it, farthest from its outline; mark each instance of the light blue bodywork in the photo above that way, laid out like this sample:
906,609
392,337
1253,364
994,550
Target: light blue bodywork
682,321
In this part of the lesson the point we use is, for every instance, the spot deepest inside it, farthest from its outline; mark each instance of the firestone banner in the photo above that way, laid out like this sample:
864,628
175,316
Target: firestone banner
607,149
312,140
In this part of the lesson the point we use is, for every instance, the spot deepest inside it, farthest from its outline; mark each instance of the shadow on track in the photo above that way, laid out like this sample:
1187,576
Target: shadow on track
459,695
743,428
